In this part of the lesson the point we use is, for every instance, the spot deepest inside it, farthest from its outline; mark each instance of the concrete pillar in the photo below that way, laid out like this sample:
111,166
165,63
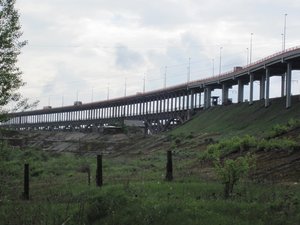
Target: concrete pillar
267,101
288,86
160,105
251,89
240,91
200,99
183,101
283,84
262,87
225,90
207,97
192,100
187,100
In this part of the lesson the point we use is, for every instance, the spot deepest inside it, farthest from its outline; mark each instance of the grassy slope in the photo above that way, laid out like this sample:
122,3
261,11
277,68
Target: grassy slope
239,119
134,190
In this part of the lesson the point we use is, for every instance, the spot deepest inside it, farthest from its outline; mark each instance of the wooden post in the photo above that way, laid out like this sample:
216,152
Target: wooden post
26,182
89,176
169,174
99,180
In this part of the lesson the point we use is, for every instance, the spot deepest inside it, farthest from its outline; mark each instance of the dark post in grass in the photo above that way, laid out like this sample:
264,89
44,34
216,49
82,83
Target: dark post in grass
26,182
99,180
169,174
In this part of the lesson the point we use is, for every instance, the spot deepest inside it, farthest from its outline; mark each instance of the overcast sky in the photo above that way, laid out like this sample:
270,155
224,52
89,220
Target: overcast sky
79,47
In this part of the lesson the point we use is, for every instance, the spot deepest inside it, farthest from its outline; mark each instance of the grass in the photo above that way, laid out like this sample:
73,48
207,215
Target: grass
59,194
134,190
241,119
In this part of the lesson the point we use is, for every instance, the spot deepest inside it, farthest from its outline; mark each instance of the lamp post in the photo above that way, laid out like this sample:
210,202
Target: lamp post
165,77
125,87
284,31
213,67
220,60
247,49
250,54
189,70
108,92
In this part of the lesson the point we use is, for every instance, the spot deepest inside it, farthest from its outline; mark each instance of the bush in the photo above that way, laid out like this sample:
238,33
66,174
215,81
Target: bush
231,171
228,146
279,144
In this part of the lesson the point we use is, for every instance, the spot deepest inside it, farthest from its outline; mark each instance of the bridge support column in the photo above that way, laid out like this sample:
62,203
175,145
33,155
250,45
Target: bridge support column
225,90
200,99
192,100
240,91
267,100
262,87
207,97
283,76
187,100
251,89
183,102
288,86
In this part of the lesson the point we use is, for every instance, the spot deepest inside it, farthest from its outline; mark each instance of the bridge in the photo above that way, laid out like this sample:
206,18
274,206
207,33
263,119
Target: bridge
160,109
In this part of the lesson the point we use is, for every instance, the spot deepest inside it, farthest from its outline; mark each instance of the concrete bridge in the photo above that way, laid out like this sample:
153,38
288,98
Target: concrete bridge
163,108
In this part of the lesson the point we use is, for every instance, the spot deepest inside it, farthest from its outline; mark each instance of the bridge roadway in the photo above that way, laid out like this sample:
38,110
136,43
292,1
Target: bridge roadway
165,107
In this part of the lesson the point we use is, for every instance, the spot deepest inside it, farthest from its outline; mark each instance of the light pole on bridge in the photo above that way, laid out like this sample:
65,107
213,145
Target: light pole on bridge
247,49
250,54
108,91
189,71
220,60
284,32
213,67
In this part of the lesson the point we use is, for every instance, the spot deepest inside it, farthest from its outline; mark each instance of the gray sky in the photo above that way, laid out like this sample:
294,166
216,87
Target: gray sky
83,46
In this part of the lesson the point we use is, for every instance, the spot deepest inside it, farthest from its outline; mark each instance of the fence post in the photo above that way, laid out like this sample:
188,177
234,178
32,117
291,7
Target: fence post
169,174
26,181
99,179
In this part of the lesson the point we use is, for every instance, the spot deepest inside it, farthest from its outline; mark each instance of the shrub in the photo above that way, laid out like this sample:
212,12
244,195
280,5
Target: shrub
273,144
231,171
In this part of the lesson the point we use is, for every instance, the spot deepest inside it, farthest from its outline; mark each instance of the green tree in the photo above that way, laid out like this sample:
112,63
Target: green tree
10,48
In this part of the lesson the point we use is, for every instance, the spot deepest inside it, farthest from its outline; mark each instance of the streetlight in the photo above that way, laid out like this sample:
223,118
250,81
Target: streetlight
189,70
144,83
250,48
220,60
247,49
165,77
92,96
108,91
125,86
213,67
284,31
